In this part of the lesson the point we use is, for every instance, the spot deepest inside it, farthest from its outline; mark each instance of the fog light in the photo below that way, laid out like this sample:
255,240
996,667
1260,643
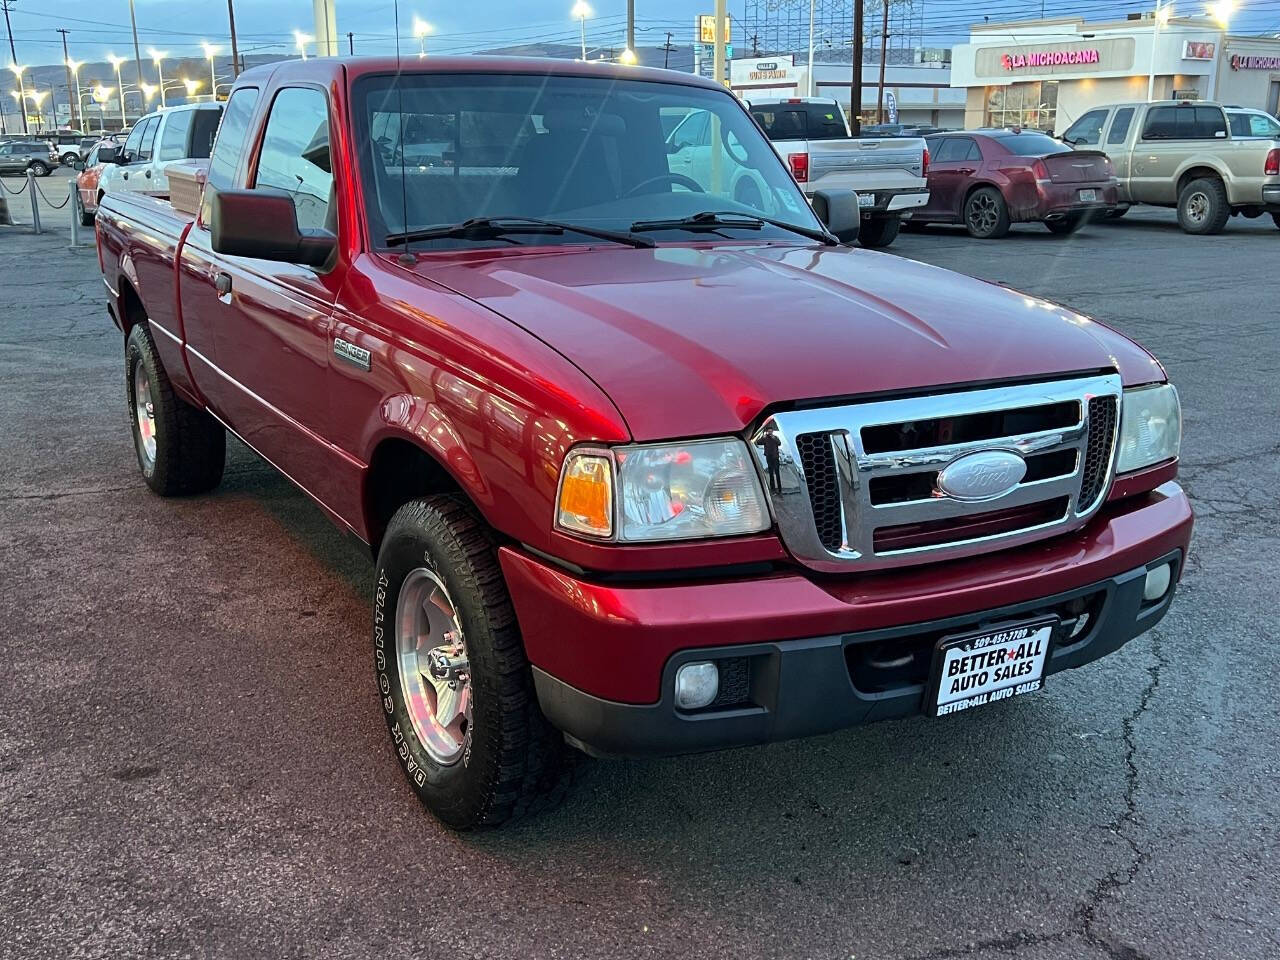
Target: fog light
696,685
1157,584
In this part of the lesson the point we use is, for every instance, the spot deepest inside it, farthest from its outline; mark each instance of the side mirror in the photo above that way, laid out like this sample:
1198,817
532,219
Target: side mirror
109,154
77,165
839,211
264,224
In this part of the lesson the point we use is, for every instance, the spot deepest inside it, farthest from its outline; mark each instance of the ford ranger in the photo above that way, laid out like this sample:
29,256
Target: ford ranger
644,468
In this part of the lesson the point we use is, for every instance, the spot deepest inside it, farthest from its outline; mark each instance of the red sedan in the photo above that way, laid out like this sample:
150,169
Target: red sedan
989,179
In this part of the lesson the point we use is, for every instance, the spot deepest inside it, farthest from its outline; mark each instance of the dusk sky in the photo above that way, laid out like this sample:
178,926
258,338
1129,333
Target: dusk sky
178,26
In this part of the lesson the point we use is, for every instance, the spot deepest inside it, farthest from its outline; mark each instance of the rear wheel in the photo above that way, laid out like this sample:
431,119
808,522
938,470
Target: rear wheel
180,448
86,218
986,215
1117,212
1275,218
1068,224
39,168
70,157
453,679
878,232
1203,207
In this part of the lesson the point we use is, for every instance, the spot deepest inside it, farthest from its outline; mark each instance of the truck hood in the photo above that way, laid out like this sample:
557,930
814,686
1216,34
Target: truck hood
698,340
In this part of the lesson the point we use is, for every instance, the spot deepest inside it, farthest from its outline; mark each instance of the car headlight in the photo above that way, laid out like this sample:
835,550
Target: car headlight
647,492
1150,427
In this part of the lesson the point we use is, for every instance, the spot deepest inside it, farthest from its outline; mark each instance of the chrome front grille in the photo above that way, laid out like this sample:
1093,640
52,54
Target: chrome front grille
857,486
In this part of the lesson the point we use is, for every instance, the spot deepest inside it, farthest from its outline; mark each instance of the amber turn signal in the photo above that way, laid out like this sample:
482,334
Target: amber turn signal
585,501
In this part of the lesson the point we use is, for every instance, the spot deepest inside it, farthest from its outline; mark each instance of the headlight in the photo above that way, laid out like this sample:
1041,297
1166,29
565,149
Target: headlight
702,488
1150,427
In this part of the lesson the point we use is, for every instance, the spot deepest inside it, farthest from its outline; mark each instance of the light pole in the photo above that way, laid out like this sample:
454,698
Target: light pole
809,85
157,57
301,40
22,95
1162,20
211,51
420,30
115,62
38,98
74,66
580,12
100,96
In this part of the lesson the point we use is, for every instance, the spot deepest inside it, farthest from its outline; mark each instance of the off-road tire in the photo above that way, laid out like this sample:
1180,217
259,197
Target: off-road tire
878,232
190,446
514,762
1203,207
986,228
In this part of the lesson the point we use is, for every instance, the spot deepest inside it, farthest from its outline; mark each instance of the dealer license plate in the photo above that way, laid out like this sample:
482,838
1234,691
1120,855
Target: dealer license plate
981,668
1088,196
866,199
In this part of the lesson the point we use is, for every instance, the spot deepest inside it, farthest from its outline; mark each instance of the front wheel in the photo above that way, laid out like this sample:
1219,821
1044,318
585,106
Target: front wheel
453,679
70,158
986,215
1203,207
38,168
180,448
878,232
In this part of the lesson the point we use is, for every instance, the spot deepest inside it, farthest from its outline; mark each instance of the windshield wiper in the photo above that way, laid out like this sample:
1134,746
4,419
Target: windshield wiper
713,220
498,228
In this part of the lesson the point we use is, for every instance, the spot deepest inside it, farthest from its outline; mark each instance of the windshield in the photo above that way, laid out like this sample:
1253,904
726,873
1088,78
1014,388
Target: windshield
599,152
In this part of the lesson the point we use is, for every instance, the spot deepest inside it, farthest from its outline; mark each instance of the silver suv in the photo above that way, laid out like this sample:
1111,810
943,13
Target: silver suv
19,156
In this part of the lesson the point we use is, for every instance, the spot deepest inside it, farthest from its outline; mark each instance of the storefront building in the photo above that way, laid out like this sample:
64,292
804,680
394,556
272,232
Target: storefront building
1044,74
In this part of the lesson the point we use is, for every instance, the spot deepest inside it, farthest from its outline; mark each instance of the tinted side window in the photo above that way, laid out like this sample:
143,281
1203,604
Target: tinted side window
1239,124
951,150
295,154
975,152
173,139
779,124
1120,125
1209,122
1088,129
148,138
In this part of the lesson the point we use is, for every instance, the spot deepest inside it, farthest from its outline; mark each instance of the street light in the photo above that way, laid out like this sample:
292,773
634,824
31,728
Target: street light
1162,15
148,91
115,62
74,66
22,95
192,86
157,57
210,51
1221,11
420,30
628,56
38,98
580,12
101,95
302,39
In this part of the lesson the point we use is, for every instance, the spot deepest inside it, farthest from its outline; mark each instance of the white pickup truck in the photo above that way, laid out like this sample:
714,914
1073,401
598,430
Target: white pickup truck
180,132
887,173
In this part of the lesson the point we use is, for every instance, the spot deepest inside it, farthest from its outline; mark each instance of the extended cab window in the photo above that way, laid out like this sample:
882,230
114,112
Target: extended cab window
148,138
204,126
173,140
229,145
134,143
1120,125
1088,129
295,154
1184,122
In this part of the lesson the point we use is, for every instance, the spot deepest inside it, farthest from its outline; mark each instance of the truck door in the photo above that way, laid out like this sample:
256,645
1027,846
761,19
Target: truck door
272,320
136,176
1121,156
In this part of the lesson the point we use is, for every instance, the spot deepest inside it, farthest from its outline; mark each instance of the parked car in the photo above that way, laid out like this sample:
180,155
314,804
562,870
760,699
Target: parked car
89,170
1252,124
887,173
1182,154
989,179
67,145
172,133
19,156
642,472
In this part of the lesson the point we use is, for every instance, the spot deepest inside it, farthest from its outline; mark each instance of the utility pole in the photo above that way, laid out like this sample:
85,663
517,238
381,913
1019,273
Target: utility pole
631,25
666,55
235,55
717,60
66,58
855,81
137,58
351,43
22,90
884,48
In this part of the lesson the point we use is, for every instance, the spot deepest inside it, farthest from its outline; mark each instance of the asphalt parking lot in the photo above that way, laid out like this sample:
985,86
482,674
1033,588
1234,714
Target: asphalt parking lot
193,761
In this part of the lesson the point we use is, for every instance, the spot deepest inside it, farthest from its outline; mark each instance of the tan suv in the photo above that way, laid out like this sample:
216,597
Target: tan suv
1181,154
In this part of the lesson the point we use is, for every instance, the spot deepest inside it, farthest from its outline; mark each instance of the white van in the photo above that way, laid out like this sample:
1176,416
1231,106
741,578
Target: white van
183,132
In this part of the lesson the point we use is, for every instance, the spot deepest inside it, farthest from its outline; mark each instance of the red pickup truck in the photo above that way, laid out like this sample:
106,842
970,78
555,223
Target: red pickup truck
646,469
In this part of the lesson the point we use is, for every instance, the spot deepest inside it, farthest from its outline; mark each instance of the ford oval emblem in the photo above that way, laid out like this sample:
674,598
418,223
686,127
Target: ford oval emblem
985,475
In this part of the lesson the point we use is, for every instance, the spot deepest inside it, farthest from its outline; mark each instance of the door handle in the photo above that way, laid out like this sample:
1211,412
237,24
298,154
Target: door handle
124,176
965,171
222,283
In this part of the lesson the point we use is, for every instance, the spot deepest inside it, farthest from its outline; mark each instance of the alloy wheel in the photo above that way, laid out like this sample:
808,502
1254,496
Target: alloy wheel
144,412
